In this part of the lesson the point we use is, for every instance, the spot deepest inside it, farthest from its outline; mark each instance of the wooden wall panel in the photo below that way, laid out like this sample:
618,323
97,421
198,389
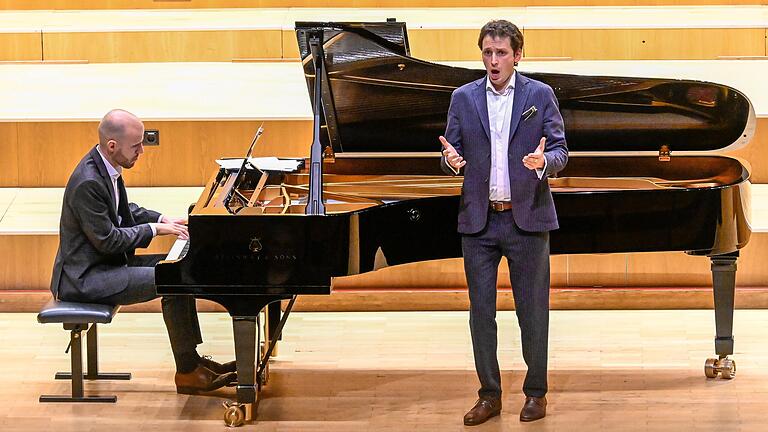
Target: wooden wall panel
597,270
442,274
20,46
162,46
586,44
751,269
26,261
644,44
48,152
664,269
9,149
434,45
444,44
756,153
290,45
188,150
185,156
668,269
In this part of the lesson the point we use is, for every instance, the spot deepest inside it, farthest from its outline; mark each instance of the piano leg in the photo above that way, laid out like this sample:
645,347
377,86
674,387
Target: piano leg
250,379
724,287
241,411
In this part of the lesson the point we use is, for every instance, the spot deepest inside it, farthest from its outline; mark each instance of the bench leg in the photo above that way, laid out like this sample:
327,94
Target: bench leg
76,358
92,359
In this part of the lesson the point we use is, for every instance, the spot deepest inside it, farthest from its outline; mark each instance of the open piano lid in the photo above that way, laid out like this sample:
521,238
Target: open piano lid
380,99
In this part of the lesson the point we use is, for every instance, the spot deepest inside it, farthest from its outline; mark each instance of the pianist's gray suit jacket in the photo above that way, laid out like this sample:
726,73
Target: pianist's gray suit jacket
91,241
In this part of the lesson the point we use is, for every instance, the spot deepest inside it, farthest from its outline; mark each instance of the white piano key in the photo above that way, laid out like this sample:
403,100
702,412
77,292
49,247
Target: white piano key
176,250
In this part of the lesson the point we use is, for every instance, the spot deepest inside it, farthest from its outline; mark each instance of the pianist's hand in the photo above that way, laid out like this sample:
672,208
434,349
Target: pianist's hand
535,160
180,221
178,230
451,155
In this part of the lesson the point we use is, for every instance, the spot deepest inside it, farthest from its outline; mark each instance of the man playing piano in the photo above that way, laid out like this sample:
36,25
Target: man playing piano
505,133
99,232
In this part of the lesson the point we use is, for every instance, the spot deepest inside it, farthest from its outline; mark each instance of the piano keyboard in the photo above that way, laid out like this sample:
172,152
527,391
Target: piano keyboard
178,250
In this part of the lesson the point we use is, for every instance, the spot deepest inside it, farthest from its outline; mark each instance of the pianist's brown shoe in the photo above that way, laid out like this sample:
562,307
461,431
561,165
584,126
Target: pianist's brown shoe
201,380
218,368
534,408
484,409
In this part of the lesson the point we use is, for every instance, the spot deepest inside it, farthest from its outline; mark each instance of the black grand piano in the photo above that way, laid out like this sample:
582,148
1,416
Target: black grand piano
372,194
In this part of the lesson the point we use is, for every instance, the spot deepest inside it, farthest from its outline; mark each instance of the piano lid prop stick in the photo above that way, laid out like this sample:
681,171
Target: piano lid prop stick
233,192
315,197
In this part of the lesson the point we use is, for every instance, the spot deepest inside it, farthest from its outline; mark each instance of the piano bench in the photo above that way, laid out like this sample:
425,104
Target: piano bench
79,317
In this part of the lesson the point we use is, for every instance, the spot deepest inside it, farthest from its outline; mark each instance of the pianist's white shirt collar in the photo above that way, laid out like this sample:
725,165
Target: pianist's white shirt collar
112,171
510,85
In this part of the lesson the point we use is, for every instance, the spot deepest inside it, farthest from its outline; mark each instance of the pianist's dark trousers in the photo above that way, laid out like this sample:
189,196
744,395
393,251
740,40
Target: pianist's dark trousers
179,312
528,257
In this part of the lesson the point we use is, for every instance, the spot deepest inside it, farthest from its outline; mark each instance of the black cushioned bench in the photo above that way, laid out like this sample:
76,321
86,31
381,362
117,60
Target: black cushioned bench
78,317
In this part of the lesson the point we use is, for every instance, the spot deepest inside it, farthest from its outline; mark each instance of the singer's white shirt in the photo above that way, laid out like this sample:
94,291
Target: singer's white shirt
499,119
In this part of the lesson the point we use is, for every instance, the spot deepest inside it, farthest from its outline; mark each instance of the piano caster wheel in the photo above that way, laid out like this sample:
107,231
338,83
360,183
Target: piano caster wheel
727,368
724,366
709,368
236,414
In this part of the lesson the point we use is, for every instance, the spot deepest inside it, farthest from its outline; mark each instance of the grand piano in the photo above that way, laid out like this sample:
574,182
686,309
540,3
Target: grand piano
372,194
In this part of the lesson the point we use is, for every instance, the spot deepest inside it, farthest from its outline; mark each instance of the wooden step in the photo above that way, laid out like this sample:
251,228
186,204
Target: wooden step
209,110
29,238
600,33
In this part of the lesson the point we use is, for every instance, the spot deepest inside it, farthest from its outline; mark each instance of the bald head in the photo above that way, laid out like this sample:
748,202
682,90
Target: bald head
115,124
120,138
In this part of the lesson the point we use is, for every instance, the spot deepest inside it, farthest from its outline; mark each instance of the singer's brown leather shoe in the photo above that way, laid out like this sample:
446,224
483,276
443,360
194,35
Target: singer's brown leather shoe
218,368
201,380
534,408
484,409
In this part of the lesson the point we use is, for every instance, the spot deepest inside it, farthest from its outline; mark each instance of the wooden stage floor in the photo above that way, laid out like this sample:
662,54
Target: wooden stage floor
609,370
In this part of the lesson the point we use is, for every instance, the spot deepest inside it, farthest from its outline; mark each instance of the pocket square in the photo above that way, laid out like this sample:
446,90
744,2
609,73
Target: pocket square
530,112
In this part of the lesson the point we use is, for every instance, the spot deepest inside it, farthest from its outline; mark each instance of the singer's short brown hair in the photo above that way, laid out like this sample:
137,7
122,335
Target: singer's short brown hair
502,29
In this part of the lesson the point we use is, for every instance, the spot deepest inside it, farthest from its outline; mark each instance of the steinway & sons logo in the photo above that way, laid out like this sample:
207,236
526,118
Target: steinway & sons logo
258,254
255,245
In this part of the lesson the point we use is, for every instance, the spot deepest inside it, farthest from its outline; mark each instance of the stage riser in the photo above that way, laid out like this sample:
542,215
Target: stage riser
613,281
163,46
580,44
428,44
645,44
26,261
188,150
20,46
185,157
450,300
